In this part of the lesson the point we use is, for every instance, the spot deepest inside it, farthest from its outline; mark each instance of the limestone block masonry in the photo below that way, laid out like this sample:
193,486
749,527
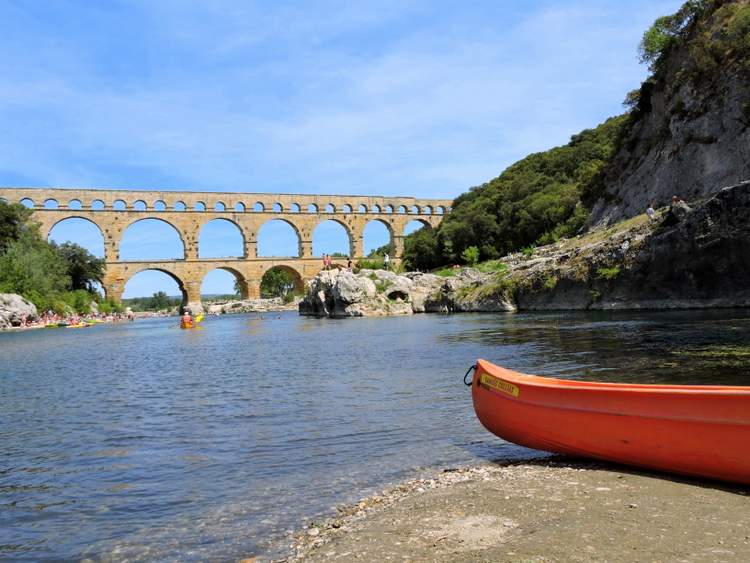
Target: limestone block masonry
113,211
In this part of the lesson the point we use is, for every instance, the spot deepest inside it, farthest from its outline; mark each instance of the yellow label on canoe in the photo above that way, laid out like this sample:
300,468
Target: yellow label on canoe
499,385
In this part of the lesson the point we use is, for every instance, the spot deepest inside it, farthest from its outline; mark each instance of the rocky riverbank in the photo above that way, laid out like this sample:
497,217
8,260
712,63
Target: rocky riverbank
249,306
16,312
543,510
684,257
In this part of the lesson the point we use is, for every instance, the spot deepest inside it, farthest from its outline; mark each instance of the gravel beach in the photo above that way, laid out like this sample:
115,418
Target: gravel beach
541,510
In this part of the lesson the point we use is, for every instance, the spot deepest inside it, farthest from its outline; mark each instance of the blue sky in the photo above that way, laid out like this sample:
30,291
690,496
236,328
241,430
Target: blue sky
423,98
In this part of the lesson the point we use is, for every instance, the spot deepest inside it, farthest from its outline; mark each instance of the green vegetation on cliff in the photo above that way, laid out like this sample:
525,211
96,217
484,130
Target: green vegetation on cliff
534,201
549,195
50,276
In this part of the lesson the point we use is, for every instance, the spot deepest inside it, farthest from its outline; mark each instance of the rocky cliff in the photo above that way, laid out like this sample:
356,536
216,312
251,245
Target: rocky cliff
689,130
684,258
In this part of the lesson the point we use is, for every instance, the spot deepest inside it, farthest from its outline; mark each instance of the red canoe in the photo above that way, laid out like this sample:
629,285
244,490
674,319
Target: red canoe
697,430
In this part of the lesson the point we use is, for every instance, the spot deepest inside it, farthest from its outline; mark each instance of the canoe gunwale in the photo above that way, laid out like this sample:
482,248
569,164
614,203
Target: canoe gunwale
556,384
723,406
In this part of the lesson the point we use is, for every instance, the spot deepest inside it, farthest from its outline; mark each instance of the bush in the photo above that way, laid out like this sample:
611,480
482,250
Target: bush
471,255
376,263
549,282
109,306
492,266
79,300
445,272
608,273
42,272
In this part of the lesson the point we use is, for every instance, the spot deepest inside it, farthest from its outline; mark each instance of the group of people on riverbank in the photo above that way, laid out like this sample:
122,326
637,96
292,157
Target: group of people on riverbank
53,319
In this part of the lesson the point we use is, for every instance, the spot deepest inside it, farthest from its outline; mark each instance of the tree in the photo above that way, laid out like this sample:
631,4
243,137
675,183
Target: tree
84,269
14,221
276,282
381,251
421,250
31,267
665,32
160,300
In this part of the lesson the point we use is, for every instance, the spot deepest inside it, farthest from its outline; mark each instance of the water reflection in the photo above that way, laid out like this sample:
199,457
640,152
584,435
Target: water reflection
681,347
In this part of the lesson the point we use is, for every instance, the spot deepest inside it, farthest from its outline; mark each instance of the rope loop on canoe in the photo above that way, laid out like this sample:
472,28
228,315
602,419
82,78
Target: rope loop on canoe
468,371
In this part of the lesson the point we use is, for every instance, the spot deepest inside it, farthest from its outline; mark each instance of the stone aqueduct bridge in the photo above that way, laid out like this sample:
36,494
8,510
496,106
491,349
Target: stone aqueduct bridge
113,211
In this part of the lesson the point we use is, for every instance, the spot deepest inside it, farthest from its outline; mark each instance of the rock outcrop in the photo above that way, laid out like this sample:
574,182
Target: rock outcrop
14,310
340,293
687,258
368,293
249,306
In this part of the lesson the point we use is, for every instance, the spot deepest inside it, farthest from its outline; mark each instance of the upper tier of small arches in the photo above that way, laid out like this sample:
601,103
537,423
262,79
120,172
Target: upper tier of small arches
220,206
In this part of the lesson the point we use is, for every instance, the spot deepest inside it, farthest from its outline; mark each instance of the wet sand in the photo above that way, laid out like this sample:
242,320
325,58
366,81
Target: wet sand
543,510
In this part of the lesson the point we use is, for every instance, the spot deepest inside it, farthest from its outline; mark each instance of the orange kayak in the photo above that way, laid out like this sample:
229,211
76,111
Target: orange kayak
696,430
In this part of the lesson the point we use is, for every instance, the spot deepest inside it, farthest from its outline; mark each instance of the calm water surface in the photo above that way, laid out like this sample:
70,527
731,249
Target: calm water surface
143,441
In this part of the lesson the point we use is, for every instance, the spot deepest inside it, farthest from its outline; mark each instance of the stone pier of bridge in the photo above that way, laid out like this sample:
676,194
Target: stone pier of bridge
113,211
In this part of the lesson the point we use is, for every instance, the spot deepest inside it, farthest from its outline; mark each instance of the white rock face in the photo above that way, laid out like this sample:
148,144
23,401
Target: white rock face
348,288
371,293
14,309
249,306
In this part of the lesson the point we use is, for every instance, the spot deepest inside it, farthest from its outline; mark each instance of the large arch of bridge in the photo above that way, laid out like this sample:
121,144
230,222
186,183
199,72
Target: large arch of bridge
151,220
299,284
320,247
238,276
416,224
221,233
80,239
371,239
282,238
133,273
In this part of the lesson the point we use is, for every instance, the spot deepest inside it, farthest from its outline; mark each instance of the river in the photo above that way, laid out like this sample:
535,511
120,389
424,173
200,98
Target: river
143,441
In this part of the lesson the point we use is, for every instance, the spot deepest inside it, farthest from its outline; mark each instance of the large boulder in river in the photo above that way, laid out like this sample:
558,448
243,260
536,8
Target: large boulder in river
341,293
349,289
14,310
370,293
